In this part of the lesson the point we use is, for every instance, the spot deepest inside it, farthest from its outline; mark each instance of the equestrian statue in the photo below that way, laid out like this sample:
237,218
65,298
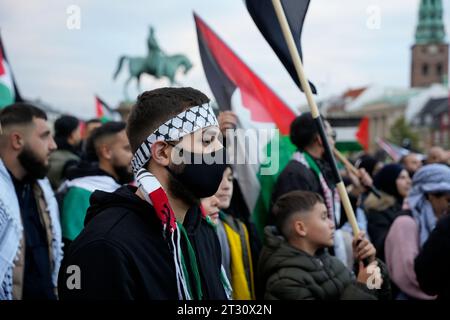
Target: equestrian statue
157,63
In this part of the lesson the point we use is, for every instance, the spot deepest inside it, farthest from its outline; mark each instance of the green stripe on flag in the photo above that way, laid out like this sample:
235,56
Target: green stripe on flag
348,146
75,205
6,95
261,212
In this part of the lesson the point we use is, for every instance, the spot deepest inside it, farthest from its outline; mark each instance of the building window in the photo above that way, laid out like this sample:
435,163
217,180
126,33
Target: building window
444,120
439,69
425,69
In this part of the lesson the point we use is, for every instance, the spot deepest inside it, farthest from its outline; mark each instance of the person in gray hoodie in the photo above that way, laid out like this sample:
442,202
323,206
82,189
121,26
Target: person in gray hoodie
295,264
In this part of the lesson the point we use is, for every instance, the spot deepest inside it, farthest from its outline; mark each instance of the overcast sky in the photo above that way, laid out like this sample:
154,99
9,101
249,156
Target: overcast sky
65,67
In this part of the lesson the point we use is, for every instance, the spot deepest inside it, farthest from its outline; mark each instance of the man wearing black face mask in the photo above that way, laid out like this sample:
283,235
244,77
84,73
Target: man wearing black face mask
154,241
30,235
107,166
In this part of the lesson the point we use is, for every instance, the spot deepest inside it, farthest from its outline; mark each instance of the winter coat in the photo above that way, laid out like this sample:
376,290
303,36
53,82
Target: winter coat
291,274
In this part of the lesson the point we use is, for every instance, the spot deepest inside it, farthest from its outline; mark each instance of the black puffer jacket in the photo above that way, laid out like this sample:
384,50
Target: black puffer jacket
291,274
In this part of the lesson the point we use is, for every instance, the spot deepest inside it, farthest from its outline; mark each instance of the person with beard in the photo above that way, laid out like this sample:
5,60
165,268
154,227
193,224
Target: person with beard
68,140
110,152
153,241
30,233
412,163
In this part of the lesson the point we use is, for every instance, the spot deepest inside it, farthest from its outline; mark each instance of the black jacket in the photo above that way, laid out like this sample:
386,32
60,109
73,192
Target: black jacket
122,254
296,176
432,265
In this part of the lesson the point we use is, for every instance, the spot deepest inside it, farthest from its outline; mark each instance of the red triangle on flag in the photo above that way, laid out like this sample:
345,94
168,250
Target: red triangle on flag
99,108
362,134
2,67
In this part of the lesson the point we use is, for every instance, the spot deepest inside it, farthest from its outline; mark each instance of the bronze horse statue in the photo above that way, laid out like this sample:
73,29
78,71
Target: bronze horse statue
157,63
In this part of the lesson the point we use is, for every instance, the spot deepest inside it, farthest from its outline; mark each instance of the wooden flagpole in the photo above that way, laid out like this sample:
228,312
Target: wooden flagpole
350,167
282,20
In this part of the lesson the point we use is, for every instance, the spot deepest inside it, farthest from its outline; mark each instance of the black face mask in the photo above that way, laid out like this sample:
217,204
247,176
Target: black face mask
202,173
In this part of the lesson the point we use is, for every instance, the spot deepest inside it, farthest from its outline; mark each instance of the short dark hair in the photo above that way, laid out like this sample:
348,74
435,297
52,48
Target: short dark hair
65,125
20,113
155,107
291,203
105,130
303,131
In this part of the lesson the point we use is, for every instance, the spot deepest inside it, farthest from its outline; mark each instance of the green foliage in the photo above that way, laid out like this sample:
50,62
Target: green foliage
401,131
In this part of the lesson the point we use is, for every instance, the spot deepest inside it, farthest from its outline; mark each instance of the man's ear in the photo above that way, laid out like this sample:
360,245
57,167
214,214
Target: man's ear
17,140
105,151
300,228
318,140
161,153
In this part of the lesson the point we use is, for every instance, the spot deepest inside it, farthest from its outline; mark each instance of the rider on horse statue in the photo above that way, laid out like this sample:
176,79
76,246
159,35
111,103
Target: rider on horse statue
157,63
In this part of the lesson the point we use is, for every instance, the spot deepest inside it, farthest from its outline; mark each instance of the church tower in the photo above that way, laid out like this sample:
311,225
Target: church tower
430,51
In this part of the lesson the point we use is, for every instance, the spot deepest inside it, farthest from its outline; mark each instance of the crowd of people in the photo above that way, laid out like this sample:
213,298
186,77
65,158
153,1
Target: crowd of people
112,201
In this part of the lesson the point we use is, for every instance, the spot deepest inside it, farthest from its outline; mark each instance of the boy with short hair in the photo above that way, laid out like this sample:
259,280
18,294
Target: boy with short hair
295,264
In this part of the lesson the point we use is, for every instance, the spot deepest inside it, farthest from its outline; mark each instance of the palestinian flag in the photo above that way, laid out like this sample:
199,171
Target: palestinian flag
8,89
352,134
393,151
76,201
362,135
265,18
104,112
237,88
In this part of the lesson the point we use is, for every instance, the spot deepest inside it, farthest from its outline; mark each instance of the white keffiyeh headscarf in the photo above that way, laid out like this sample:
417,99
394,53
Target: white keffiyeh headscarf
433,178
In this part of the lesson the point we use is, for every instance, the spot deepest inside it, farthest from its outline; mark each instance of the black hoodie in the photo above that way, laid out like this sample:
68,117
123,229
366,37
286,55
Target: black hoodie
121,253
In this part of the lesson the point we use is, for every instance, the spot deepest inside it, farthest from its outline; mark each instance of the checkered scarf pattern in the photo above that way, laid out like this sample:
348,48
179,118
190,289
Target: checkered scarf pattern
186,122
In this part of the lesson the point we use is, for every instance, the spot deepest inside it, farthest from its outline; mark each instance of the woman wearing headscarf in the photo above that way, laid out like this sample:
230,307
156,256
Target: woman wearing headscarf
427,202
394,183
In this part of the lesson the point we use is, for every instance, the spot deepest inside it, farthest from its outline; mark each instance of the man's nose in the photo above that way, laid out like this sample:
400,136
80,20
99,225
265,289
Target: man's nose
52,146
332,225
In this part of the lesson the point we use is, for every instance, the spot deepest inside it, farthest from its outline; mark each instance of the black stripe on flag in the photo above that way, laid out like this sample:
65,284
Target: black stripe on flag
265,18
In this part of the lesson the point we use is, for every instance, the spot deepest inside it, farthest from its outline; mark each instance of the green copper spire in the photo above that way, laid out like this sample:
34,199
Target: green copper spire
430,28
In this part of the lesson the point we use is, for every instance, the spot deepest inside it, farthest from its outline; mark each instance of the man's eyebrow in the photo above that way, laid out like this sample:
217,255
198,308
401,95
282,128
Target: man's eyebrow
45,133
